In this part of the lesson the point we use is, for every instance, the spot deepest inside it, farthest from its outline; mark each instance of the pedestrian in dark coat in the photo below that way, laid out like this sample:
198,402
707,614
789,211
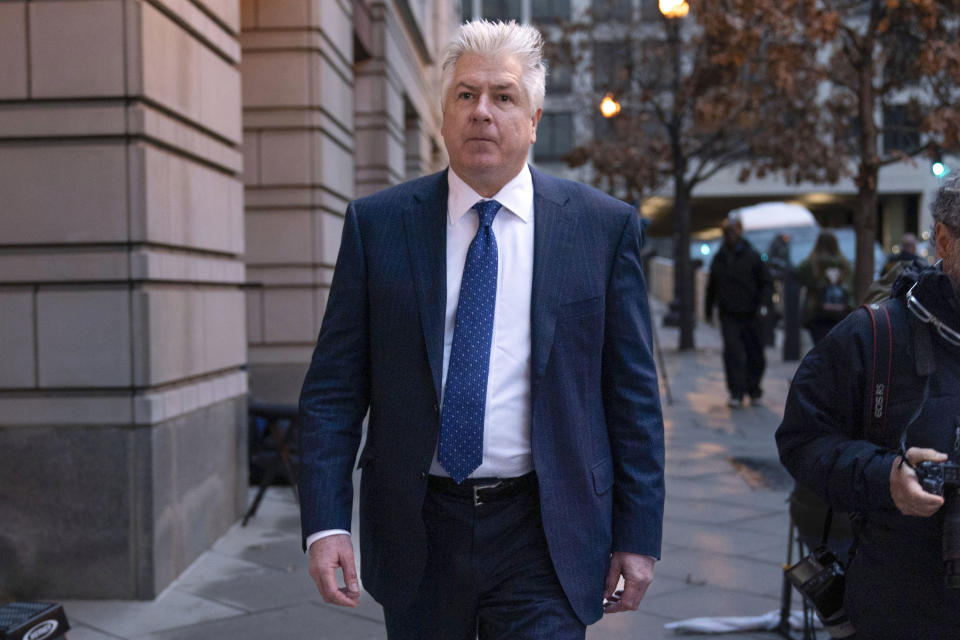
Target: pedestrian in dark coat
907,253
741,287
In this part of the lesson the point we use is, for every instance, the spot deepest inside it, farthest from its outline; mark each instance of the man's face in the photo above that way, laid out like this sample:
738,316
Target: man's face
487,125
732,233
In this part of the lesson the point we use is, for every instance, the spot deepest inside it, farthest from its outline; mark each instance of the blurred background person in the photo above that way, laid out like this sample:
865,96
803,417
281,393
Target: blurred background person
741,287
828,278
908,253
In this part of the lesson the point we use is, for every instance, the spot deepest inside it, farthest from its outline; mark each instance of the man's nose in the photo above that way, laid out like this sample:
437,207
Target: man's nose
482,109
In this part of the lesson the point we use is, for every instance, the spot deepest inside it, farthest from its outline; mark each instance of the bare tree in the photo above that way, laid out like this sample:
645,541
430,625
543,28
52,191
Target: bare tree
850,86
687,110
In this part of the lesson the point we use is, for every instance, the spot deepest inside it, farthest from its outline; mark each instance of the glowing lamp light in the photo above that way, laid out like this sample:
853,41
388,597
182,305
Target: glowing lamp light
674,8
609,107
704,249
939,169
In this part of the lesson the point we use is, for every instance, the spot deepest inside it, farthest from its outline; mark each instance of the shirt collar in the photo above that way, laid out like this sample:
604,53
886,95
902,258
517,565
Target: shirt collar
516,196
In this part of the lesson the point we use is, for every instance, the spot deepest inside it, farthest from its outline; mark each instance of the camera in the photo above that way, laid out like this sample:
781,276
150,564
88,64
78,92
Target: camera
943,479
820,578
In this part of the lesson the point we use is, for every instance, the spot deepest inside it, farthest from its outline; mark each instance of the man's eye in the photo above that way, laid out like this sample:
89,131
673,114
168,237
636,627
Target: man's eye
505,98
465,95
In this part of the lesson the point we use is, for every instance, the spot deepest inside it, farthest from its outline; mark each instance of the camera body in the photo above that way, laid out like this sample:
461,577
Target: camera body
936,477
820,578
943,479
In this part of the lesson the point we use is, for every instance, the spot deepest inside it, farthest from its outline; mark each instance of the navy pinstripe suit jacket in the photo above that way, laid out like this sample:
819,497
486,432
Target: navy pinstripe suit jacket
596,430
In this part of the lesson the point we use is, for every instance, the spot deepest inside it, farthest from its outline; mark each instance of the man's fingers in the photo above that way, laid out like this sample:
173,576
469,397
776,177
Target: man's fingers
905,490
916,455
613,579
633,591
349,566
613,604
637,572
920,502
326,556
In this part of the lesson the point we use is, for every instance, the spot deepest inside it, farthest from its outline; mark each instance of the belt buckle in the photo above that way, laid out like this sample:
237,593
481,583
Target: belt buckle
480,487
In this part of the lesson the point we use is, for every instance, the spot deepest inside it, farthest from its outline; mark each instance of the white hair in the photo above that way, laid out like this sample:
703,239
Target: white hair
522,42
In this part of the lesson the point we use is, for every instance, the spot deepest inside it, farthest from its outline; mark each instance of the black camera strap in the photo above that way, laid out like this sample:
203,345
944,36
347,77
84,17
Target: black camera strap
827,522
878,392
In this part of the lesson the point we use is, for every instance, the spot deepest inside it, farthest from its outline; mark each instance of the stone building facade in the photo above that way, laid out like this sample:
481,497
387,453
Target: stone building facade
340,101
173,177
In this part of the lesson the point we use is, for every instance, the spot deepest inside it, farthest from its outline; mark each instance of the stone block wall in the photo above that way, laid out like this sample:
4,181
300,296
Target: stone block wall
122,386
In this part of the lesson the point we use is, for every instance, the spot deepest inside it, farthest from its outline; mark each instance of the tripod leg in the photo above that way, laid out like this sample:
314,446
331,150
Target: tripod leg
783,628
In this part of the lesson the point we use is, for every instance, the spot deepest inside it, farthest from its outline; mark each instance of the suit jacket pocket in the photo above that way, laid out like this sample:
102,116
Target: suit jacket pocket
602,476
579,308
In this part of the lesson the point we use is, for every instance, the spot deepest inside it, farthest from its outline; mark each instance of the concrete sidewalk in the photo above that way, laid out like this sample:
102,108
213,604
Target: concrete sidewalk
725,536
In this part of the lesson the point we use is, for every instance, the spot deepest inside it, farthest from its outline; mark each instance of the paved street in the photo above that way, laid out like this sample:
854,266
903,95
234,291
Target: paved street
725,536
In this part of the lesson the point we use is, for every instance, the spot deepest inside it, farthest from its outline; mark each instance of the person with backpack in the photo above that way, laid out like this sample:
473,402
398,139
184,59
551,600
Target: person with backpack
875,403
828,278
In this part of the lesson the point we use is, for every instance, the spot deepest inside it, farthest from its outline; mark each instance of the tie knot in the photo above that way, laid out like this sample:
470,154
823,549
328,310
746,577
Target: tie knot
487,209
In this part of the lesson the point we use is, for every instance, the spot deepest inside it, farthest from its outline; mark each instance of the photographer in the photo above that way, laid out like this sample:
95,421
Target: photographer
829,440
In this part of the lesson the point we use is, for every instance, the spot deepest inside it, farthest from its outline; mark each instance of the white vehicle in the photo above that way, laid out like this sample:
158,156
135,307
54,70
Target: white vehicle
761,224
773,215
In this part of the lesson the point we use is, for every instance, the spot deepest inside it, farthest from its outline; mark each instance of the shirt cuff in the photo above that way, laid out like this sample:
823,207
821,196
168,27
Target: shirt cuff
323,534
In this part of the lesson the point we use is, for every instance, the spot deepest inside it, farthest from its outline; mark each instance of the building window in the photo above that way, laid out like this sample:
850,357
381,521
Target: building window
900,130
608,10
554,137
502,10
610,65
559,69
560,79
649,10
547,11
603,128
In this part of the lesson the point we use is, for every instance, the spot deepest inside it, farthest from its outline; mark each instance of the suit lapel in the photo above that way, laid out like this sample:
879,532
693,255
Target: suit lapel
553,234
424,224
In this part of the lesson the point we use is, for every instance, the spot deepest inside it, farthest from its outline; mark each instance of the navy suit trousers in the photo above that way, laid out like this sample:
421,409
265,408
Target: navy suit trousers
488,575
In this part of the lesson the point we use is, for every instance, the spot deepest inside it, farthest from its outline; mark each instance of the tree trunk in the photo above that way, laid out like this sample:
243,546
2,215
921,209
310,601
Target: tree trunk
865,223
683,269
865,215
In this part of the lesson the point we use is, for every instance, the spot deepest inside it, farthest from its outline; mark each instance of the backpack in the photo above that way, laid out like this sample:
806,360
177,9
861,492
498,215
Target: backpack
834,299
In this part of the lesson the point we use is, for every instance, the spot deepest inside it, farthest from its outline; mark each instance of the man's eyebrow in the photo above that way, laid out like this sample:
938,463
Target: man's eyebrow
497,87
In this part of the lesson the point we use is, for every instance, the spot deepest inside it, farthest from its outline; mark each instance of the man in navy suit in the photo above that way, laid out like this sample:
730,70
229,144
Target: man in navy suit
494,322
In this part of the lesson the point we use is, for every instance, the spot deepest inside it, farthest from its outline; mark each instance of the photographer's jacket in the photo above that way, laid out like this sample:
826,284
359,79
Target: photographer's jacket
828,442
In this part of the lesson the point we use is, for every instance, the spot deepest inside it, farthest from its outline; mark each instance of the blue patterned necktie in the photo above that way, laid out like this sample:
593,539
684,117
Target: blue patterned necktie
464,399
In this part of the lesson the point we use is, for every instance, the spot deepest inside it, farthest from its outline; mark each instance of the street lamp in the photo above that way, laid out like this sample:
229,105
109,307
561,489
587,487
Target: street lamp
682,314
609,107
674,8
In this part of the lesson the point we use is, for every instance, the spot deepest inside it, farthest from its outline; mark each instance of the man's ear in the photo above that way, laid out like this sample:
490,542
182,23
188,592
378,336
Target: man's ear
536,121
942,239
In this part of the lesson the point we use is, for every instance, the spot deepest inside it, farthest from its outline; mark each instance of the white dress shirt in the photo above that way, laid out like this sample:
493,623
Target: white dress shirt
506,421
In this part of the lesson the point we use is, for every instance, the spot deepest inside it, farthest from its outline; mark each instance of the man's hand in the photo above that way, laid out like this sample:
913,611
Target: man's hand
905,489
328,554
637,572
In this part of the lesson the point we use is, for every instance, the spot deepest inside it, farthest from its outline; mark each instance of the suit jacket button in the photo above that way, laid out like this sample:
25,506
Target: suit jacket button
436,408
423,475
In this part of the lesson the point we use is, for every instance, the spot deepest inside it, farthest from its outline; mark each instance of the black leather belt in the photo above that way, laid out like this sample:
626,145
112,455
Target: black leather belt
483,490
